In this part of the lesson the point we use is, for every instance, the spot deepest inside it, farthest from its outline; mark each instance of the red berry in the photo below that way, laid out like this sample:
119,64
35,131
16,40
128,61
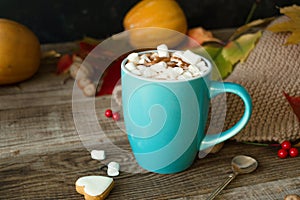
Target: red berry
108,113
286,145
282,153
116,116
293,152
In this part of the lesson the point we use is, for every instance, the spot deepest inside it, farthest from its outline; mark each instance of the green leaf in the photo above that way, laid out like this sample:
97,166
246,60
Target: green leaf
224,67
239,49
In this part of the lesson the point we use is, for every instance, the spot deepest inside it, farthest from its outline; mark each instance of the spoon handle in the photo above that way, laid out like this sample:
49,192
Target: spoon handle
222,186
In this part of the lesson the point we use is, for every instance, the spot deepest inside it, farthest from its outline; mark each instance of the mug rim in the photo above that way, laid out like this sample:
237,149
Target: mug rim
209,64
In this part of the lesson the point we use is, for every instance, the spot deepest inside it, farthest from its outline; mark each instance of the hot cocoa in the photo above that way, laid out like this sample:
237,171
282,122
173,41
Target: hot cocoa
165,65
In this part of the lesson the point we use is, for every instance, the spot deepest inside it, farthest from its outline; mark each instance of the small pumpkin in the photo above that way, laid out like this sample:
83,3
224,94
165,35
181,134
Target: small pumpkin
19,52
166,19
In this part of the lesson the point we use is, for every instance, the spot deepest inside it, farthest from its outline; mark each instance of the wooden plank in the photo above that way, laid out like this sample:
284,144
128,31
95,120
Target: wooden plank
52,176
277,189
49,123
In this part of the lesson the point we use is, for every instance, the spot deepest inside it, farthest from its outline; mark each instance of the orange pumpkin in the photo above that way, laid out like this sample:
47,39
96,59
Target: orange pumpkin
166,19
19,52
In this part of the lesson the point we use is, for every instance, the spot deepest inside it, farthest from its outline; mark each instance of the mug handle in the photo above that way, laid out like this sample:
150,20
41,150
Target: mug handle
217,88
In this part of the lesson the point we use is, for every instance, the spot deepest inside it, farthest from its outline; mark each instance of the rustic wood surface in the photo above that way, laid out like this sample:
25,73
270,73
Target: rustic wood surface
41,154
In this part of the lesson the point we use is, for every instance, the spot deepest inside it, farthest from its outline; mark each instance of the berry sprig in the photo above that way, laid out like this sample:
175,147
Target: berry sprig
110,114
287,149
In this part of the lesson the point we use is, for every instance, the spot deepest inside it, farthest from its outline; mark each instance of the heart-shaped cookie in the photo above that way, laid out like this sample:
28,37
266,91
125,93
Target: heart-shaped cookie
94,187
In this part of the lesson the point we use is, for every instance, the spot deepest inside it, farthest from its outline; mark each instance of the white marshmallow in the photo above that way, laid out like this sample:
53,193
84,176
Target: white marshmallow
194,70
112,172
187,74
130,66
133,57
202,66
141,67
181,77
172,74
190,57
148,72
136,72
142,61
145,58
154,55
178,70
113,169
162,76
178,54
162,50
98,154
159,67
114,165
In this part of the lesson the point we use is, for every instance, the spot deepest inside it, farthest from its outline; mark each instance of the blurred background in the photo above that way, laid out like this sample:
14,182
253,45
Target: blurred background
67,20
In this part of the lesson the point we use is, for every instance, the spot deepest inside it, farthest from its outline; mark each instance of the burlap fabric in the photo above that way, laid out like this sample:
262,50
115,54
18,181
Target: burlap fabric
270,69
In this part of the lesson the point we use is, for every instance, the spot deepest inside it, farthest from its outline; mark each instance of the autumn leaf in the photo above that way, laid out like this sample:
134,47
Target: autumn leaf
293,25
259,23
64,64
294,103
239,49
225,57
201,35
224,67
85,48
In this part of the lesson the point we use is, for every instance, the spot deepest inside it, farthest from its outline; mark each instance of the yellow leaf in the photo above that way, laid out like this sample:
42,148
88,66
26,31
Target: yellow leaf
293,25
239,49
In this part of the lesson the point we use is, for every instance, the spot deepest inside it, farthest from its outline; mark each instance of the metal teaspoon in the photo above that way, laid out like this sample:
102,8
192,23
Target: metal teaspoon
240,165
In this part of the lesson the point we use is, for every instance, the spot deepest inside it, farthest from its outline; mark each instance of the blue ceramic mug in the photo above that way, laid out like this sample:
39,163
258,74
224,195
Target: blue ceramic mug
165,119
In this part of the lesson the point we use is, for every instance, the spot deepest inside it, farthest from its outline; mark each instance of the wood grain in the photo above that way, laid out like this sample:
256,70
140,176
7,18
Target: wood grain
52,176
42,152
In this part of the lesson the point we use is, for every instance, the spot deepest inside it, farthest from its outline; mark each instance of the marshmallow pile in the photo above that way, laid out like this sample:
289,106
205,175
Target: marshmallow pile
165,65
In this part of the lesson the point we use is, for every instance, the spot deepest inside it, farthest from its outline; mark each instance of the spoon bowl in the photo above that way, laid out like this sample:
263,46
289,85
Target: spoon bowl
240,165
243,164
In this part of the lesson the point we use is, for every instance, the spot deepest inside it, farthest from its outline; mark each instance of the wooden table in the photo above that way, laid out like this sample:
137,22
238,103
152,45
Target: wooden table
41,154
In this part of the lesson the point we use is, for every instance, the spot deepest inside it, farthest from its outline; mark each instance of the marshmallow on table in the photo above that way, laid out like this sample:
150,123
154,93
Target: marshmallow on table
98,154
113,169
